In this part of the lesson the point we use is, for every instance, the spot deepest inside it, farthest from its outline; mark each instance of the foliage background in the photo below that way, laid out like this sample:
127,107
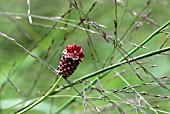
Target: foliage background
33,79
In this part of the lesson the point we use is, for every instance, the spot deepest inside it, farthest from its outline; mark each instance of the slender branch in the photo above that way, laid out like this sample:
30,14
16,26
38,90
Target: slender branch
115,66
41,98
30,53
148,39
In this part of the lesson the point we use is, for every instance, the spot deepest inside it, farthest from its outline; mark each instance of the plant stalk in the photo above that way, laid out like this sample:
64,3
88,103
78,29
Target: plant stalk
25,109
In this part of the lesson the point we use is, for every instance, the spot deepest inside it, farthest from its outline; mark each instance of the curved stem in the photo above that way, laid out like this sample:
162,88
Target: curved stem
41,98
108,69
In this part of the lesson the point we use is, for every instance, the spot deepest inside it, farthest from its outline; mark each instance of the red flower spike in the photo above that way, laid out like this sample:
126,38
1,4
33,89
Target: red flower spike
72,56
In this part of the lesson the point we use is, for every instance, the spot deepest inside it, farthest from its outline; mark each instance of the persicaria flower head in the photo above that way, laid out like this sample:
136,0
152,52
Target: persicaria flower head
72,56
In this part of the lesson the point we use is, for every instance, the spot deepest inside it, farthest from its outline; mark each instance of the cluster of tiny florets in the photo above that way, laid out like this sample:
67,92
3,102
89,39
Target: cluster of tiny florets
71,57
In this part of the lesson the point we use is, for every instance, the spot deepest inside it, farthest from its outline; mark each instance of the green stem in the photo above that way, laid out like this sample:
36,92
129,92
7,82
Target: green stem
41,98
108,69
145,41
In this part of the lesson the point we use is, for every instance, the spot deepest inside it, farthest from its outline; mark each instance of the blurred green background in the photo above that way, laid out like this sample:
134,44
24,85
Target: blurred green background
33,79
